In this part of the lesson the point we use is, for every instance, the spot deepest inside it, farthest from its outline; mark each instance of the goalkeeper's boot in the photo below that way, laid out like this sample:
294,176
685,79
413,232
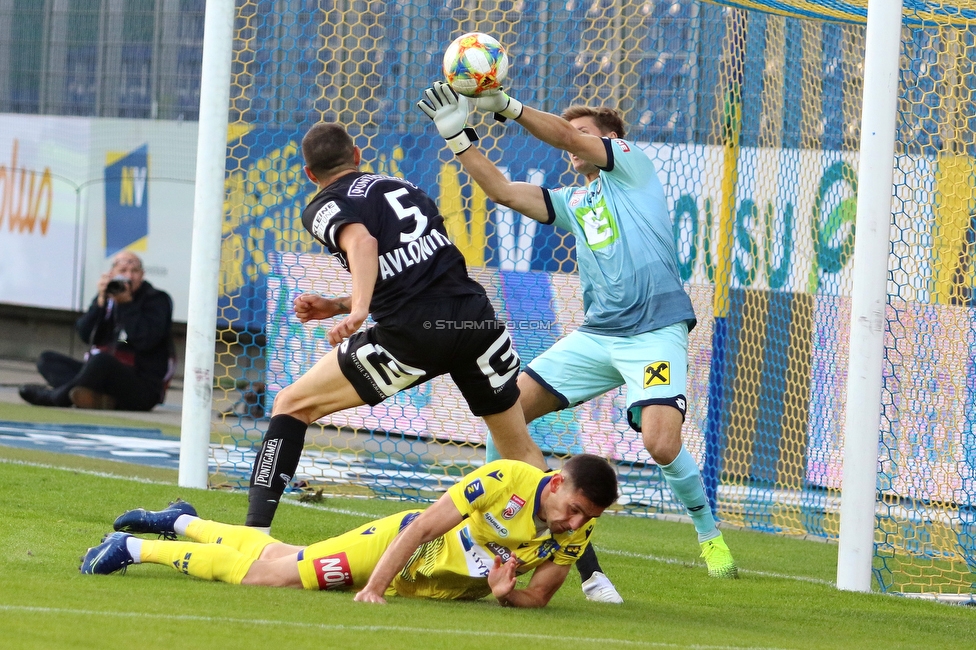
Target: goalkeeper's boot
108,557
599,589
719,559
159,522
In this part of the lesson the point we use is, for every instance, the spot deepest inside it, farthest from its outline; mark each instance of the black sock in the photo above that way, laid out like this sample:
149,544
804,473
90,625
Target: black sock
274,467
587,563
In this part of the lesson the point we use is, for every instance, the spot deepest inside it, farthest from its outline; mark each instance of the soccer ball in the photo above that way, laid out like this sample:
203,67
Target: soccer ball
475,64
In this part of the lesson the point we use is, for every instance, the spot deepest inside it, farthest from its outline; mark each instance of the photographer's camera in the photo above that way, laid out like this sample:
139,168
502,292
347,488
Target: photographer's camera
118,284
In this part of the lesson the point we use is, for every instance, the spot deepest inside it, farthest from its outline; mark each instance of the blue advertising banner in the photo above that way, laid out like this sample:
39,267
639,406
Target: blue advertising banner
126,200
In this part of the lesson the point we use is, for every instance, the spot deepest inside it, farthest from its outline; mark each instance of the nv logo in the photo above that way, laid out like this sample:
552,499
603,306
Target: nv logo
126,177
473,490
657,374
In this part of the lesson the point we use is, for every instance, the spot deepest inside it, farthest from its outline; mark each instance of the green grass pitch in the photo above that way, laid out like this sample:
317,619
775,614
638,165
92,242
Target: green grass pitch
53,507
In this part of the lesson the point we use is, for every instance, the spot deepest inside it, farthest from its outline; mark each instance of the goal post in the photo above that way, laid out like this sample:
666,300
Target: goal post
208,207
869,295
816,352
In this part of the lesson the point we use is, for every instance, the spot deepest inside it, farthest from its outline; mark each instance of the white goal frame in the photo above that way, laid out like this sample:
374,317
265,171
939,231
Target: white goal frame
869,298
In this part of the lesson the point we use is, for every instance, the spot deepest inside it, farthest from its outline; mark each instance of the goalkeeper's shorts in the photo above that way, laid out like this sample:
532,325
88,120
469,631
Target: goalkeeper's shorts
459,336
583,365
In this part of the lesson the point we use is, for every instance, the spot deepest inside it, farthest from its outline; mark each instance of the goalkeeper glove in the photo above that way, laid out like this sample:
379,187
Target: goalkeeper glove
501,105
449,112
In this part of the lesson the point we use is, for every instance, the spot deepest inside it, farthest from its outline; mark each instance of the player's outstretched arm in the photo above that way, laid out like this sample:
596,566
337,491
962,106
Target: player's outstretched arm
361,253
431,524
450,111
544,583
551,129
521,197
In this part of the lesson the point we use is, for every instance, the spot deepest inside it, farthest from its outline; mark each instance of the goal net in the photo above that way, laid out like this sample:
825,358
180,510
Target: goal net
750,110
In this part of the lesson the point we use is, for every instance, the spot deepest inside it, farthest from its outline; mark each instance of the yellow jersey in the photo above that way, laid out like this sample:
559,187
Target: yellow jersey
499,503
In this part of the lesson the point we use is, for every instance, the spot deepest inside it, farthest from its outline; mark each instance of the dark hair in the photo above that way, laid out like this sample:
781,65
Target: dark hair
327,147
593,477
607,119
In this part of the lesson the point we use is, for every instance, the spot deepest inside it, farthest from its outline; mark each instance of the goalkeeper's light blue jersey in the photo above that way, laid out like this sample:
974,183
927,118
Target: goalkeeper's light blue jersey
624,246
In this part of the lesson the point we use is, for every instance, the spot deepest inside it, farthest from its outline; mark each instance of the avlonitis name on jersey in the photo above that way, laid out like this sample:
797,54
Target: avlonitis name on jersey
420,250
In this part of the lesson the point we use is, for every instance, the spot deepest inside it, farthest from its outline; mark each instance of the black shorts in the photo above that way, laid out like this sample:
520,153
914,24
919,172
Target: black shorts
460,336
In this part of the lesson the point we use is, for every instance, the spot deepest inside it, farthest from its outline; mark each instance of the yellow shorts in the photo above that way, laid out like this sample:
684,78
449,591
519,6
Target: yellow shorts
347,561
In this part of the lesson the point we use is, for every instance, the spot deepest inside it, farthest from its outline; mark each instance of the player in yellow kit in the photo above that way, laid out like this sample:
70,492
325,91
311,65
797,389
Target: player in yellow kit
503,520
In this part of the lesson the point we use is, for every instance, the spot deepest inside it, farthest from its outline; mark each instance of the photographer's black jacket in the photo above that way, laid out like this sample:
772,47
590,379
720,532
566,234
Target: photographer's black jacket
140,328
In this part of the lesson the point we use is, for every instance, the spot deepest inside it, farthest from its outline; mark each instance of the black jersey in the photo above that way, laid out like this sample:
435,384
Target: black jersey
416,258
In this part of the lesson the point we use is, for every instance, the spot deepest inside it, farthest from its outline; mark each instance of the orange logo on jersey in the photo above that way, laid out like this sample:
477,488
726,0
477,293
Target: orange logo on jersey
657,374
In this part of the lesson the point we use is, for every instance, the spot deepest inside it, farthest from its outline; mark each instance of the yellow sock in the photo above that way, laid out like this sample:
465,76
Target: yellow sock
249,541
207,561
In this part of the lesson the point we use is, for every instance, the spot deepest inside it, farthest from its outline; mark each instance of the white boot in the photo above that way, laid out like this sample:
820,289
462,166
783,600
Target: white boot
599,589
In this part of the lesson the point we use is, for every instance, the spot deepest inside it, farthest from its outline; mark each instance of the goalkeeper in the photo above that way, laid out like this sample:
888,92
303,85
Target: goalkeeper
503,520
637,313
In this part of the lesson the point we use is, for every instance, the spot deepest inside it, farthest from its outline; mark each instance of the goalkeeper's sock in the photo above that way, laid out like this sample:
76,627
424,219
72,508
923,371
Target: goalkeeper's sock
274,467
207,561
491,452
248,541
587,564
685,480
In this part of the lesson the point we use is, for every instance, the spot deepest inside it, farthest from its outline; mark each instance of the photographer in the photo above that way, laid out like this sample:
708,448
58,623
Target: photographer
130,358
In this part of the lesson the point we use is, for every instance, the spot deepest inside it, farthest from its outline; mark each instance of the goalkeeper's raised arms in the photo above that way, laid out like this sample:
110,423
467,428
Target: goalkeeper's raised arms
449,111
501,104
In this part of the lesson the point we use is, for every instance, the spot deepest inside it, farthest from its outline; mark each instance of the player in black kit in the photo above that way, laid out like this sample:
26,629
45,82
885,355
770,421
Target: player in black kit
405,271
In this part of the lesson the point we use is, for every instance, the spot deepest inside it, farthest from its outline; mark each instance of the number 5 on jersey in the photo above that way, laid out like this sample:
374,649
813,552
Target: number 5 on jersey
407,212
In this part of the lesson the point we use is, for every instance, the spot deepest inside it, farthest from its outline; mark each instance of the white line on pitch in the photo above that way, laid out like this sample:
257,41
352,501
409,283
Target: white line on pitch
493,634
87,472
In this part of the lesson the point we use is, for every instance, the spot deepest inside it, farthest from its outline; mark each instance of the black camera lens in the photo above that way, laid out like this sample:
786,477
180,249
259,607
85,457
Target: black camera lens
116,286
